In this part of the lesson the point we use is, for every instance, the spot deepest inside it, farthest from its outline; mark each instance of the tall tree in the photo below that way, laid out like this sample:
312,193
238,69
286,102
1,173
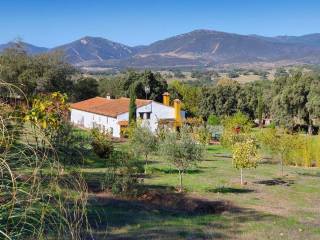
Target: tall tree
85,87
132,105
35,74
154,81
295,100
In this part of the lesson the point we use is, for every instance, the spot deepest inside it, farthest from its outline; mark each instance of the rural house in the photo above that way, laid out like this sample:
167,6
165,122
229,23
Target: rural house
113,114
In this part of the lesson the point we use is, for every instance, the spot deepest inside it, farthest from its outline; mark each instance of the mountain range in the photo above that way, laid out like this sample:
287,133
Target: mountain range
199,48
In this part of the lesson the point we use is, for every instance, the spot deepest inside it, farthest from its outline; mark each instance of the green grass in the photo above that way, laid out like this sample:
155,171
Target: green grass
267,207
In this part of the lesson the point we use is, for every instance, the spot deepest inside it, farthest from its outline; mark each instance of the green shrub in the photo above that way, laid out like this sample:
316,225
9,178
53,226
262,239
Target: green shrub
213,120
101,143
236,129
122,175
202,134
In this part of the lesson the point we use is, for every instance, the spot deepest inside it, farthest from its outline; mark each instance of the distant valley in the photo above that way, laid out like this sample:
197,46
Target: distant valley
198,49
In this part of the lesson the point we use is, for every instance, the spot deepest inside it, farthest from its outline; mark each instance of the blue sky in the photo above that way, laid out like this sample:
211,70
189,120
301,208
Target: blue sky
52,22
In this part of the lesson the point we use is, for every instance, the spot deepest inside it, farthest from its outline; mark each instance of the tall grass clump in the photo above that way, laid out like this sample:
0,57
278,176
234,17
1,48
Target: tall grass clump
38,200
316,152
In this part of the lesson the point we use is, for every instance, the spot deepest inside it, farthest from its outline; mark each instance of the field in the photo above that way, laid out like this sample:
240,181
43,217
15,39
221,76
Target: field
214,205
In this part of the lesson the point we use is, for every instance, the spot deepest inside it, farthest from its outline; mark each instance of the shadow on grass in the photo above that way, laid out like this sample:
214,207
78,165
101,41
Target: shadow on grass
308,174
230,190
275,181
174,171
161,213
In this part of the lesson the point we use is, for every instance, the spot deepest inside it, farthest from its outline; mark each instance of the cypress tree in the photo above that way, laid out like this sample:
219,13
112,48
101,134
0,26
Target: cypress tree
132,105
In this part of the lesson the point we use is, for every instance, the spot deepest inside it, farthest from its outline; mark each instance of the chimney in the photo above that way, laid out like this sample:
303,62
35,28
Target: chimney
166,98
177,112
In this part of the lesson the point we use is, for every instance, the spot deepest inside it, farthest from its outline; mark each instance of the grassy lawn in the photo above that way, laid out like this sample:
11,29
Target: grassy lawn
214,205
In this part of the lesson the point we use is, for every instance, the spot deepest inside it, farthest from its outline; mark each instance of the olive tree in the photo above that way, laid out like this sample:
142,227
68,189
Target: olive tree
143,142
181,150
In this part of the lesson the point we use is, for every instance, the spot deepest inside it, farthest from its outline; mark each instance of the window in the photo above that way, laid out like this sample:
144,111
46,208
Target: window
141,115
148,115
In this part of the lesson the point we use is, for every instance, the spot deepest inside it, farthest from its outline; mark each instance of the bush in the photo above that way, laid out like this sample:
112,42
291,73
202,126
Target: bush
213,120
122,176
101,143
202,134
235,129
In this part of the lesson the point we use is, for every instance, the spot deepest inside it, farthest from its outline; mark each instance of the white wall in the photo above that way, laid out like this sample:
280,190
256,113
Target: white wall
157,110
87,120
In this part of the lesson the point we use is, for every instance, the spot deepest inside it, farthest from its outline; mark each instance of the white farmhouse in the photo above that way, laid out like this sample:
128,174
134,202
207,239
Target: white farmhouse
113,114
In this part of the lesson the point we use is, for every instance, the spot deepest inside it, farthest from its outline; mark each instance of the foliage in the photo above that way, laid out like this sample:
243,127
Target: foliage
11,120
295,100
213,120
112,86
229,97
202,134
181,150
120,85
190,96
84,88
316,152
101,143
49,112
153,81
132,105
35,74
268,139
68,144
193,121
285,146
235,129
122,173
143,142
37,201
245,155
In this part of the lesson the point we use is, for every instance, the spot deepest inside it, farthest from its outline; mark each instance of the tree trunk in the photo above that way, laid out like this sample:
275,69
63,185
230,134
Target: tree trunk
241,176
180,177
310,129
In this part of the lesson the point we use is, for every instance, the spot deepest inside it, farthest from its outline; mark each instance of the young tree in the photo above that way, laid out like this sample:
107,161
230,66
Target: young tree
279,143
182,151
143,142
286,143
245,155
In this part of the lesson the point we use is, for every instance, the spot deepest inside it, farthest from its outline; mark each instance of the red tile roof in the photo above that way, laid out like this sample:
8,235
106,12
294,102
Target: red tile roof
123,123
107,107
